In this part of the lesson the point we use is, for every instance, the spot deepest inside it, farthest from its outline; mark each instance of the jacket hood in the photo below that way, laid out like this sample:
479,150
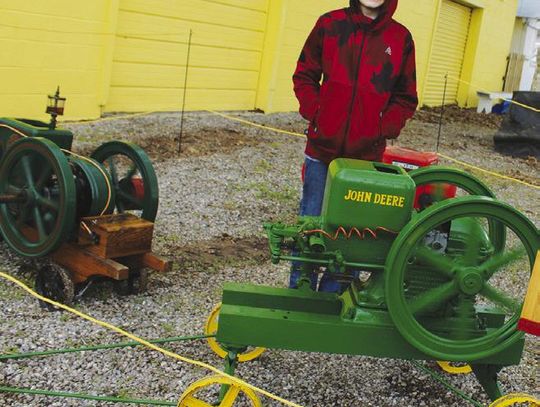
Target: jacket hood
387,12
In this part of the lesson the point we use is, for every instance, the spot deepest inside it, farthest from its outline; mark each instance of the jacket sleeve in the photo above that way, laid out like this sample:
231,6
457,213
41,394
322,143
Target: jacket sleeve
308,73
404,99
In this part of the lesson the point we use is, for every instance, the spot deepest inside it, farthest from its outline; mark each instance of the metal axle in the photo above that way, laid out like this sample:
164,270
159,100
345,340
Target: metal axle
13,198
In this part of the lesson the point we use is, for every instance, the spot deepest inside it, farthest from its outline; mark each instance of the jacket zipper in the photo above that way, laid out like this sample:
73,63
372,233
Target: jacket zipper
351,106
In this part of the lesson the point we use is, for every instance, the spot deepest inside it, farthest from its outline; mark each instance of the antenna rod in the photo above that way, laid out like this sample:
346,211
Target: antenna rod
442,111
184,97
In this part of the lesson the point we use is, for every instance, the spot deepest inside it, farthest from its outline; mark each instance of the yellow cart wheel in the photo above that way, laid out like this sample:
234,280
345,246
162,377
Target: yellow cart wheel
189,398
211,328
514,399
448,367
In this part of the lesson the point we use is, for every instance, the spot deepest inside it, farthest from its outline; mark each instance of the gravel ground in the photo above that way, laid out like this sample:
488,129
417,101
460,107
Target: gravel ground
215,196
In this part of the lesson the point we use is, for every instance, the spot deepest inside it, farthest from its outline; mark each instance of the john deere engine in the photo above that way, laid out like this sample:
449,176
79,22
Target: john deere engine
423,282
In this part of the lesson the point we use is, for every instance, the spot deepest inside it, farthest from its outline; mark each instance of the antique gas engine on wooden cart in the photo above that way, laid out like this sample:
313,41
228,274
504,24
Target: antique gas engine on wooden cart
74,209
430,284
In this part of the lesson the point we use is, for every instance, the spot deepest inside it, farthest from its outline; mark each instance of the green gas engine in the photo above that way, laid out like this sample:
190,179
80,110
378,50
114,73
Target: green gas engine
424,284
75,213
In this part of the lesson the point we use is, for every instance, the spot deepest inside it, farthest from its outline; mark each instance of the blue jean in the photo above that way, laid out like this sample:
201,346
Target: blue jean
311,205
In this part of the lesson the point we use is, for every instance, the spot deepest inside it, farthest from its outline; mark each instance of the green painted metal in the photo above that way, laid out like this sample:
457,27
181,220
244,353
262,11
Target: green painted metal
487,376
447,175
282,318
127,162
462,281
37,168
93,190
43,194
374,198
31,128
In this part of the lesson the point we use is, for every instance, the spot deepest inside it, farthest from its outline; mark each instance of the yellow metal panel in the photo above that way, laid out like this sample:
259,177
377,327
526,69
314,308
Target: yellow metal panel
142,51
172,76
45,46
151,52
298,20
144,99
448,52
531,307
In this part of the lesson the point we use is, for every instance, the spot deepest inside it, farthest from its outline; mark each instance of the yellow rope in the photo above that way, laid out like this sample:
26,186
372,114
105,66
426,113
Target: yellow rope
111,118
166,352
478,88
237,119
107,119
495,174
487,172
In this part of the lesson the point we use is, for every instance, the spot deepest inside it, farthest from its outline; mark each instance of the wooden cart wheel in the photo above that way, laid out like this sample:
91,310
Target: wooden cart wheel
235,390
55,283
211,328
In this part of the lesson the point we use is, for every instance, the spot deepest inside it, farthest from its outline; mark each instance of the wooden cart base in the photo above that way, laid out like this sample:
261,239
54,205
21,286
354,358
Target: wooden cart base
110,246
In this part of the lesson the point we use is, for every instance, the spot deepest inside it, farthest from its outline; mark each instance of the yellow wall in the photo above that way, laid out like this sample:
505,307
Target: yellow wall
292,22
150,54
130,55
37,55
489,45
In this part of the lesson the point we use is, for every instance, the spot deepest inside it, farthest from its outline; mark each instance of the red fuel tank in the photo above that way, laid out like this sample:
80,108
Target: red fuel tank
411,160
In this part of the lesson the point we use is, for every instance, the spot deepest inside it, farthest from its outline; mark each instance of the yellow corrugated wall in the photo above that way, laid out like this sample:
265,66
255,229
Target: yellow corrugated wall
150,54
50,43
291,24
130,55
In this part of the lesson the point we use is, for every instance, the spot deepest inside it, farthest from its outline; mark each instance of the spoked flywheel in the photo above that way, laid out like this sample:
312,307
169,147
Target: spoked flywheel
457,297
133,177
436,182
41,217
200,392
438,177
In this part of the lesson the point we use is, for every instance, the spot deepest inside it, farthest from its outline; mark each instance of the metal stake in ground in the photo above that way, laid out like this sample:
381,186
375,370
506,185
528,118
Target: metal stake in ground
442,111
184,97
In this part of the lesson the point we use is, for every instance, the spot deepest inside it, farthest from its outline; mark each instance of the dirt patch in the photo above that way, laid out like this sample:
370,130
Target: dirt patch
162,145
214,253
456,114
195,144
517,174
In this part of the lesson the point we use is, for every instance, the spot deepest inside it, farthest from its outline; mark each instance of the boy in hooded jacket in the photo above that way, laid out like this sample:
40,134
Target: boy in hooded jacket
366,61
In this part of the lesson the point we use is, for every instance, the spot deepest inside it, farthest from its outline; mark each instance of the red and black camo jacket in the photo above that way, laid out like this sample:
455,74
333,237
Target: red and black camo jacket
368,88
